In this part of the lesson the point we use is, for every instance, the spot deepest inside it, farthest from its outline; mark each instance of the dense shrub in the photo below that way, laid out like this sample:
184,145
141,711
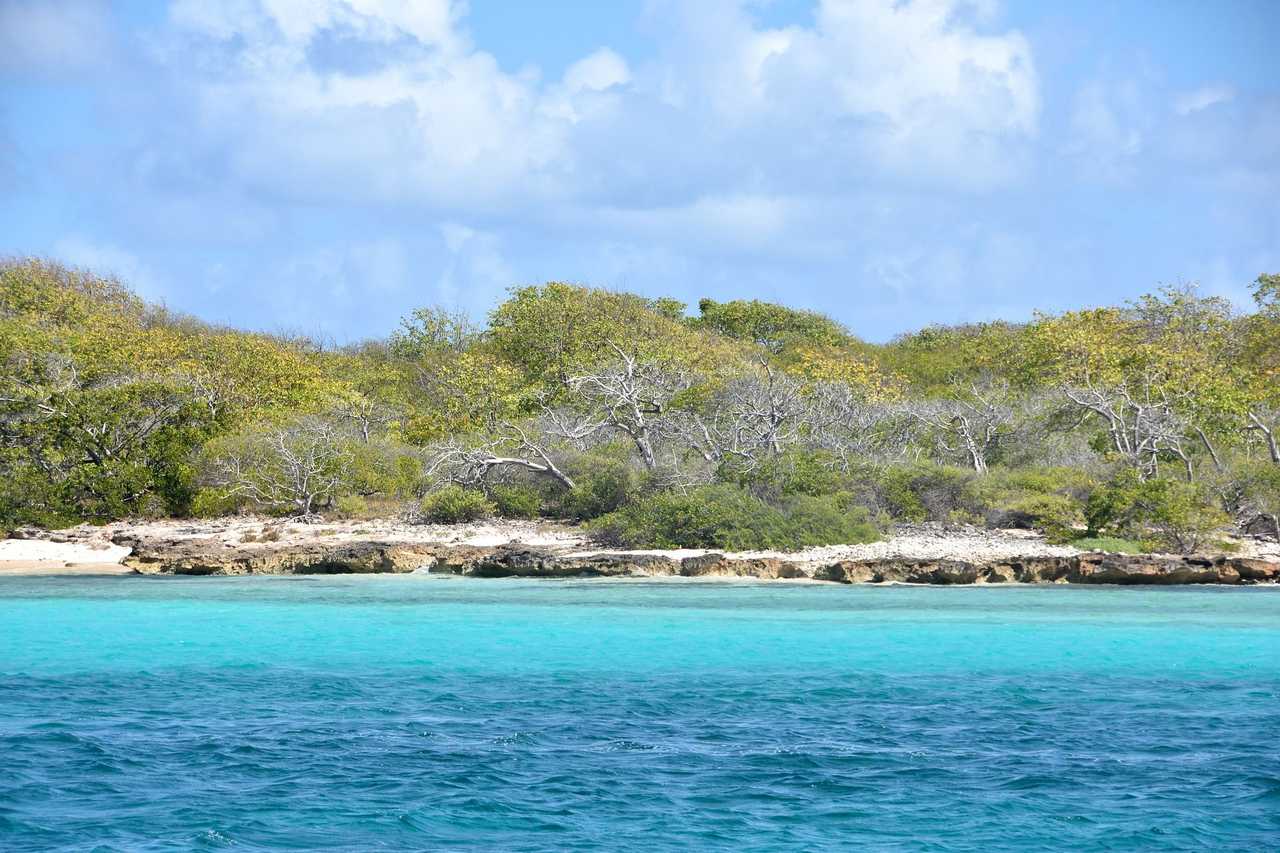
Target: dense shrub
729,517
454,504
1162,513
795,472
926,492
605,479
351,506
516,501
383,467
1252,497
1049,499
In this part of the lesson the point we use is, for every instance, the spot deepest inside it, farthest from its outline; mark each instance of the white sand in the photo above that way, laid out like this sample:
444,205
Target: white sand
88,546
42,551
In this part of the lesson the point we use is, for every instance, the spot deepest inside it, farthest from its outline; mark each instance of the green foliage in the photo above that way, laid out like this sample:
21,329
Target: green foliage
215,502
794,472
1049,499
111,407
768,325
516,501
604,479
927,492
1110,544
549,332
729,517
454,505
383,468
351,506
1162,513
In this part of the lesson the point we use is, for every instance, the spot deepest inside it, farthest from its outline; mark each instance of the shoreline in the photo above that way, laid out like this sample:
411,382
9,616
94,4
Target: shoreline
916,555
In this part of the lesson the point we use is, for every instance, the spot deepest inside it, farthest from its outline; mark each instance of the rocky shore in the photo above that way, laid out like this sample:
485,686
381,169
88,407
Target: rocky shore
923,555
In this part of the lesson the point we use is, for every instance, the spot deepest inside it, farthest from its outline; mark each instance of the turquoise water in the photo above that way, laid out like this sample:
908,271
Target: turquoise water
406,713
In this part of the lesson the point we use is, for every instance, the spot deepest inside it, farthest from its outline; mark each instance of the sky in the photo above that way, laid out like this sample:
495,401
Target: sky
326,166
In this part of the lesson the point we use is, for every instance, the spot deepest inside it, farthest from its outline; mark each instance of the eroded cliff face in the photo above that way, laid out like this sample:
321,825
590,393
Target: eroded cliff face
199,558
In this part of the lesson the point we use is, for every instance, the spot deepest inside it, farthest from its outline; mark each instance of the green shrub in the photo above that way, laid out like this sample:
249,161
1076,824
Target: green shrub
516,501
383,468
1057,516
1107,543
926,492
729,517
1253,492
795,472
454,504
1162,513
212,503
604,480
351,506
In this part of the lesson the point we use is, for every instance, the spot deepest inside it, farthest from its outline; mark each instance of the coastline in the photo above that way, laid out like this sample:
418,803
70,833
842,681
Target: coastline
922,554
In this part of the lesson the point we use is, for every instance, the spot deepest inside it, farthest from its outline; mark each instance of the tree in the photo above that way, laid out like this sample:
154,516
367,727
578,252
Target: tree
513,446
770,326
1262,357
631,397
972,424
299,466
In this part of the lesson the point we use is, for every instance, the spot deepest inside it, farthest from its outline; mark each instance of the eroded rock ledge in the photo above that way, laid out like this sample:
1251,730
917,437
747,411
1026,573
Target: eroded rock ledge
202,558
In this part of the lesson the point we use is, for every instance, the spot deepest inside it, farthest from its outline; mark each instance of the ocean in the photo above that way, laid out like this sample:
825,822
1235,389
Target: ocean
424,713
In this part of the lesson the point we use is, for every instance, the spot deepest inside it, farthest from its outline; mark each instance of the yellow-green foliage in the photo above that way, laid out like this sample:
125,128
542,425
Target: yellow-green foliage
454,504
110,406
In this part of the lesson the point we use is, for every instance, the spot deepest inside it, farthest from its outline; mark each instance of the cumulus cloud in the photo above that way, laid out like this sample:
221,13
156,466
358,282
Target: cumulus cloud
873,86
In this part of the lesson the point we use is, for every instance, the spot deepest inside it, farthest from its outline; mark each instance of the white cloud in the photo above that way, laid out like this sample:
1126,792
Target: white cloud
1109,129
52,37
475,271
1186,103
872,88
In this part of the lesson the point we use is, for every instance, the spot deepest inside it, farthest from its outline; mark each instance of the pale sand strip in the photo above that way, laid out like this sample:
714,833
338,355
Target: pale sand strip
57,567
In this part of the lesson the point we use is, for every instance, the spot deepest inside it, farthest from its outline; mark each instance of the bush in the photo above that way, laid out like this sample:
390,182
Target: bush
212,503
795,472
454,504
1253,498
383,468
516,501
729,517
351,506
1057,516
1109,544
604,480
1163,514
926,492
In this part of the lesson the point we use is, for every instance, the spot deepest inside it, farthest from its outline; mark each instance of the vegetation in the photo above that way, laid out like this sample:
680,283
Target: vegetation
741,425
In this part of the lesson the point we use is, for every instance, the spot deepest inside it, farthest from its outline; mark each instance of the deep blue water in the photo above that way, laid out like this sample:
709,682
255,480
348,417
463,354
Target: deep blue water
404,713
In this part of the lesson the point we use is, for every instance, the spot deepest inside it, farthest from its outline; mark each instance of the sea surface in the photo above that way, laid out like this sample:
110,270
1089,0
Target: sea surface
420,713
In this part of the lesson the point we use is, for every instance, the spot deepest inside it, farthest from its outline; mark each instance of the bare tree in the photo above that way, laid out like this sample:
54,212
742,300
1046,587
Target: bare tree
365,415
301,465
1143,420
1266,422
512,447
971,425
628,397
843,423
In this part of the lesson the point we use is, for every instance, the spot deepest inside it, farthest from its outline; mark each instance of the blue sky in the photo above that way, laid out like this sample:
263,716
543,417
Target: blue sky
326,166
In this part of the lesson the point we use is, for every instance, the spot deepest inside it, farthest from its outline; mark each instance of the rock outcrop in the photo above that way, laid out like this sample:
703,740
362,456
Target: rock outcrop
1089,568
205,557
198,558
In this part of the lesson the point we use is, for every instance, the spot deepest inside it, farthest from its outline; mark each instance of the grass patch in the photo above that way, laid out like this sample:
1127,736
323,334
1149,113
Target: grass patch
1111,544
